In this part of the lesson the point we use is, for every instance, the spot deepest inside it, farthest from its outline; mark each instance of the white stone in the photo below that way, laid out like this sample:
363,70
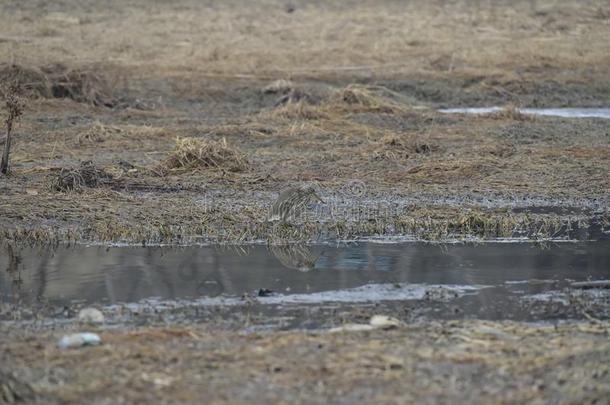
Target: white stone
384,322
79,340
90,315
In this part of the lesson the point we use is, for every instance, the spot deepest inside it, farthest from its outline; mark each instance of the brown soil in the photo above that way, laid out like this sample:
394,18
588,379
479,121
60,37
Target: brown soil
471,361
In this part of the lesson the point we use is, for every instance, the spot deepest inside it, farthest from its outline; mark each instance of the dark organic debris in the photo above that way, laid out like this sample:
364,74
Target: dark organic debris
87,175
265,292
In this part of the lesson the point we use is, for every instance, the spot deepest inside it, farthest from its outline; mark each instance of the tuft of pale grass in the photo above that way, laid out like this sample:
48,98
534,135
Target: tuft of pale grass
299,110
397,147
193,154
367,99
281,86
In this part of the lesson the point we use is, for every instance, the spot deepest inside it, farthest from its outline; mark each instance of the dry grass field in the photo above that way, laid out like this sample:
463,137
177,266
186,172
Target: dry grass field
302,92
180,122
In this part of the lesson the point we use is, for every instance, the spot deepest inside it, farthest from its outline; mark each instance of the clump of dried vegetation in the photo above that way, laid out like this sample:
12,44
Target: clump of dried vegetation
97,133
86,175
299,110
84,85
397,147
193,154
368,99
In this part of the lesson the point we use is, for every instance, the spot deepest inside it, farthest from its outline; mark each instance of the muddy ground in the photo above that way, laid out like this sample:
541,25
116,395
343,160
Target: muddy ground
339,95
172,352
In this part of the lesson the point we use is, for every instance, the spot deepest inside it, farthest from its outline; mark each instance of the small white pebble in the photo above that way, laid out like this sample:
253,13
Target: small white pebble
384,322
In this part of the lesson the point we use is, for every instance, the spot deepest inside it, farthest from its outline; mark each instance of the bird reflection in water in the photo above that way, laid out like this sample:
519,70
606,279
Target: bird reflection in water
297,257
14,260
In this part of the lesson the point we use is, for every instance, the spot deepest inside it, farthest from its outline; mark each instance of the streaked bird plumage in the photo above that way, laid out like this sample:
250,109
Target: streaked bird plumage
291,202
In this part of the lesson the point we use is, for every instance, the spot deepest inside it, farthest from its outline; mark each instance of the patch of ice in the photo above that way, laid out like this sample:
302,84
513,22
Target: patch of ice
551,112
363,294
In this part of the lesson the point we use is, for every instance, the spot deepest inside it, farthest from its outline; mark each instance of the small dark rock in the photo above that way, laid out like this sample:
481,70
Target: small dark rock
265,292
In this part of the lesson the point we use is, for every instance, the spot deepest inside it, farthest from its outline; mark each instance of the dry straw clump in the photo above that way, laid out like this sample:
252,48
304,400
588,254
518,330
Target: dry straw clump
97,133
369,99
193,154
395,147
299,110
87,175
59,81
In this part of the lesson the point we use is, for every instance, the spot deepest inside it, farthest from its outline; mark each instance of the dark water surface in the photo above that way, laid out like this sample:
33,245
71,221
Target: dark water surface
489,280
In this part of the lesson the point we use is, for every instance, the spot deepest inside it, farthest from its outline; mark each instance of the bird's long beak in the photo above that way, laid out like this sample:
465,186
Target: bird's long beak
318,197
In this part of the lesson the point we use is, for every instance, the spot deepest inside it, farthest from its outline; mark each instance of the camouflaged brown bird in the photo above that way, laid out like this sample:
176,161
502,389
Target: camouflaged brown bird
291,202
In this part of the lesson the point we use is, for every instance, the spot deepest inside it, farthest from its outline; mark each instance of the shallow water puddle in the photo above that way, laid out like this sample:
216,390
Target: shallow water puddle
480,278
550,112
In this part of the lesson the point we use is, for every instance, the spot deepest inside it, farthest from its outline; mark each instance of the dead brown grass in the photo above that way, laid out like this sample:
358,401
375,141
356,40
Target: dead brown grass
419,362
79,178
193,154
319,129
58,81
358,98
387,38
401,146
